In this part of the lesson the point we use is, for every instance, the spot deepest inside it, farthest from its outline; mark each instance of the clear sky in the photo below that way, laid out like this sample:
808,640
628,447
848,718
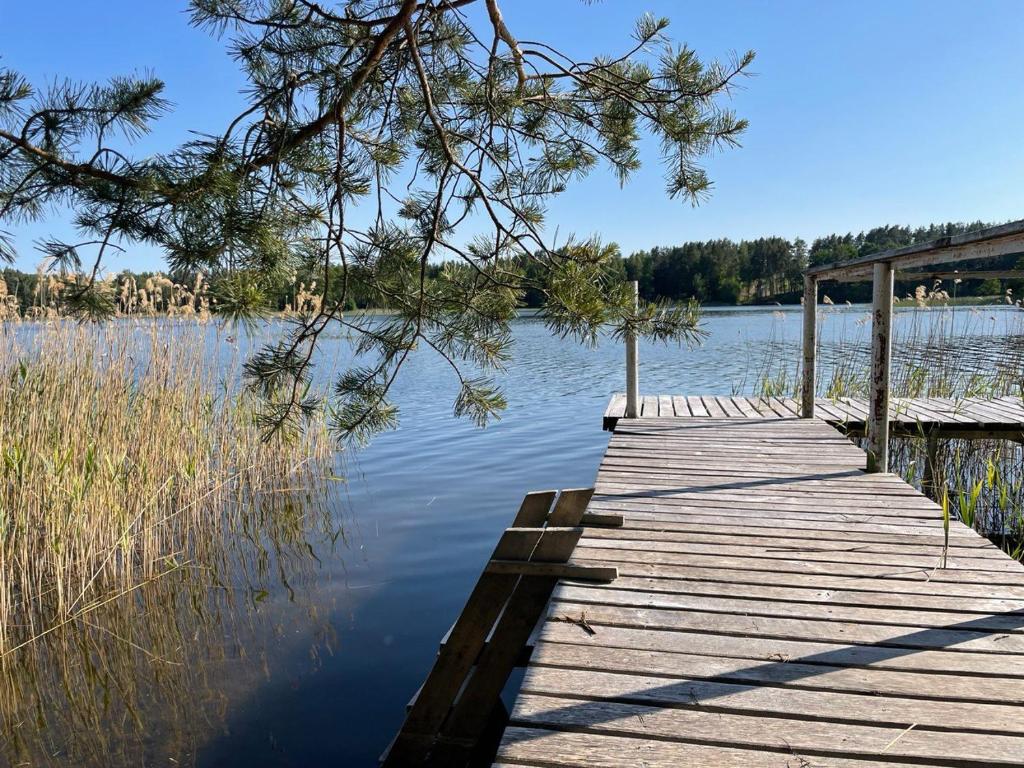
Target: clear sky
860,113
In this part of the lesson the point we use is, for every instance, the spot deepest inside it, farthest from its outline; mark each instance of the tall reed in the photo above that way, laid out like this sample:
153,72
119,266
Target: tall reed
940,350
124,452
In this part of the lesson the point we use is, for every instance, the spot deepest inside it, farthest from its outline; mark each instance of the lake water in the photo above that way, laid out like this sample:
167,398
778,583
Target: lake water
313,651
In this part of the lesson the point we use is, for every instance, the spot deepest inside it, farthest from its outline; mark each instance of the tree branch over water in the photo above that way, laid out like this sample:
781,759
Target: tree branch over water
379,137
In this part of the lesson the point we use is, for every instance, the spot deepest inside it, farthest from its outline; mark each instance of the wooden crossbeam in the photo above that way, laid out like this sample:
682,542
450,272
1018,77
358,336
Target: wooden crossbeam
453,707
558,570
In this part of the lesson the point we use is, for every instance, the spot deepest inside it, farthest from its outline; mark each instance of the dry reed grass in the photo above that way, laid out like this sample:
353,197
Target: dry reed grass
124,456
939,350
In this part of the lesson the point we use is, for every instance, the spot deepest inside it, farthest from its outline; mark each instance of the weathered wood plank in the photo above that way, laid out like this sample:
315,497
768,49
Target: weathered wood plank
540,747
764,733
665,406
773,600
781,650
955,560
933,638
909,415
782,539
903,582
713,408
697,406
769,700
815,674
930,572
781,608
952,606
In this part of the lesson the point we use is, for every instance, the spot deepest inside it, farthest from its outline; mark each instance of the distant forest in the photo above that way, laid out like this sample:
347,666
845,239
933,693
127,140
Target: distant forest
765,270
769,269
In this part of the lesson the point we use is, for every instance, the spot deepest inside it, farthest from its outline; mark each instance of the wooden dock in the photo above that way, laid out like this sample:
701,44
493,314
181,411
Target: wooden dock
775,606
973,417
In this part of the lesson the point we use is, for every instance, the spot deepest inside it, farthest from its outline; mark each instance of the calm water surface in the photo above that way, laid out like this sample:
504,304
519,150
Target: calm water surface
317,645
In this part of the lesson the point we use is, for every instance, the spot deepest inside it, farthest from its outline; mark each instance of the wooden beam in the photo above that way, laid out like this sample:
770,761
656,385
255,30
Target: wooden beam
881,353
926,276
967,274
983,244
598,573
611,520
810,344
632,362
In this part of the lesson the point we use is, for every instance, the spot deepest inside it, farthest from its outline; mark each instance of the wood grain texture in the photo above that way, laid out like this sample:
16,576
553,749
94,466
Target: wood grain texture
970,417
776,605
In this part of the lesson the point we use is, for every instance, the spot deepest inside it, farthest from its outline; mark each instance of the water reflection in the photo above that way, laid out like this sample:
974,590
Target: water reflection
150,677
297,638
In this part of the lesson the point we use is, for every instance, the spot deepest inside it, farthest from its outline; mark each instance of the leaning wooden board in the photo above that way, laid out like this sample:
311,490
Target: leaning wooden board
776,606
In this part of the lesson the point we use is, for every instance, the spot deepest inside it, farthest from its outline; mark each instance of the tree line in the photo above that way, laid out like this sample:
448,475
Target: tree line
722,271
770,269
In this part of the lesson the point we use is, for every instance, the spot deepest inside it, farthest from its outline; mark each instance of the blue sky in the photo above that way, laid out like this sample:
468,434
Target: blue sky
860,113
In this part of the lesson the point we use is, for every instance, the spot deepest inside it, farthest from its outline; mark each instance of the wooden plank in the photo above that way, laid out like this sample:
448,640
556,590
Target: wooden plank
533,512
616,406
755,507
830,410
728,407
787,406
798,564
985,243
602,519
769,590
741,587
778,495
782,538
745,407
771,701
697,407
908,414
525,607
680,407
760,404
948,410
763,732
933,638
540,747
795,523
575,571
650,406
780,608
853,556
753,649
899,583
569,509
712,407
665,406
588,654
465,642
791,403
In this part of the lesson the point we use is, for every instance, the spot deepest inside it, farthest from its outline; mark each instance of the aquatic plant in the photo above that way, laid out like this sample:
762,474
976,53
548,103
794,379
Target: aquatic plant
940,350
123,453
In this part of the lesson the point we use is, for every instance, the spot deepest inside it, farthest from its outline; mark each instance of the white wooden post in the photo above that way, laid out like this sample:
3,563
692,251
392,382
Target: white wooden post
810,343
881,352
632,362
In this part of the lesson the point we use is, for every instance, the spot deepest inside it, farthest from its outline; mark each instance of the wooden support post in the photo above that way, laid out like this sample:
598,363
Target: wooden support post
632,362
881,352
810,344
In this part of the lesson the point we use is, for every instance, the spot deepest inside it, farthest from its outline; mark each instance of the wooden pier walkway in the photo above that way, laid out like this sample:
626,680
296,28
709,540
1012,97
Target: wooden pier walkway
775,606
967,417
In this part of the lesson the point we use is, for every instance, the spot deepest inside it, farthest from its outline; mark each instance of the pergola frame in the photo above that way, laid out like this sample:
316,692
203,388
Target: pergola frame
881,268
